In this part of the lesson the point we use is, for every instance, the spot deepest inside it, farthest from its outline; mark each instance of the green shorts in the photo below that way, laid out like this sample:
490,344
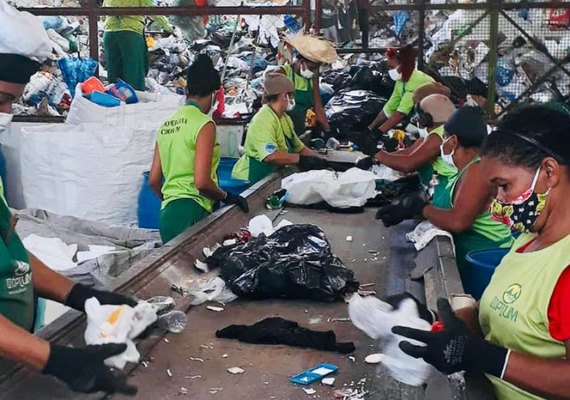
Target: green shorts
178,216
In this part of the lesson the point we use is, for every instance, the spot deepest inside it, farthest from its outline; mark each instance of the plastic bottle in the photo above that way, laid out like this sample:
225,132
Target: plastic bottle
174,321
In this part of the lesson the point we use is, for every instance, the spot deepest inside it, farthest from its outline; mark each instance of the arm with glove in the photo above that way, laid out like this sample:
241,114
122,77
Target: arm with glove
457,348
410,207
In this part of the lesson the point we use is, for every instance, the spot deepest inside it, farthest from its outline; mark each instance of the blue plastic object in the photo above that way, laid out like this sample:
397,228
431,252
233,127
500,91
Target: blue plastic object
149,206
314,374
482,264
75,70
225,181
148,211
123,91
104,99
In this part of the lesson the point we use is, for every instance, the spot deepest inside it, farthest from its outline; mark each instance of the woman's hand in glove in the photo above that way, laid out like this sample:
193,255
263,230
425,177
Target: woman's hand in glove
83,369
409,207
80,293
366,141
310,163
241,202
455,348
425,313
366,163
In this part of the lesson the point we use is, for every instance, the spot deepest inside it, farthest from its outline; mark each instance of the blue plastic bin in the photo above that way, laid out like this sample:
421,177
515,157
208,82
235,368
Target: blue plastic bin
148,211
482,266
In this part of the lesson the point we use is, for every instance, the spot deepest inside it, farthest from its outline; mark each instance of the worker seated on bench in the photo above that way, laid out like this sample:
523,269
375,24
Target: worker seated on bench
271,140
519,333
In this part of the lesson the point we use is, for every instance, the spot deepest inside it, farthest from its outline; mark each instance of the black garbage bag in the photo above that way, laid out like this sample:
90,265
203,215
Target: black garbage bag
352,110
338,79
295,262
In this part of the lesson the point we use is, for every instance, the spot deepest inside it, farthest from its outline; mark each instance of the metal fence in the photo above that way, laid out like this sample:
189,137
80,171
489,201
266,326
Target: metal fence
520,50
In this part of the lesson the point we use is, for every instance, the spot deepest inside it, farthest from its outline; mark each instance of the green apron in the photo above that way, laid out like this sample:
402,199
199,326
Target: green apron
260,169
472,238
303,101
16,290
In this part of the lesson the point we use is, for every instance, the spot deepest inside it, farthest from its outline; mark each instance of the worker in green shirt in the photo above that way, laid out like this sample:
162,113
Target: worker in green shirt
124,43
402,69
311,53
424,155
461,207
23,277
187,155
271,140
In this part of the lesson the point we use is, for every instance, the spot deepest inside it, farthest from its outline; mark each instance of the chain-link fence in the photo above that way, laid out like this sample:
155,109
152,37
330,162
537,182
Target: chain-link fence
512,51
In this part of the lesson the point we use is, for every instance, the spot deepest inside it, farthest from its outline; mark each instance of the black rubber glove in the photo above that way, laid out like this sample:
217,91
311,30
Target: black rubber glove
80,293
366,163
366,141
425,313
310,163
409,207
239,201
455,348
83,369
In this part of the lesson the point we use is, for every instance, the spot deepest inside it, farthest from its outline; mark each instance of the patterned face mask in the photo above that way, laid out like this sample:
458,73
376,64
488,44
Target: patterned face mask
521,214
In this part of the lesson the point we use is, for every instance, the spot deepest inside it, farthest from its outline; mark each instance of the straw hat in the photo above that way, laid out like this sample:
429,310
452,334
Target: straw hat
313,48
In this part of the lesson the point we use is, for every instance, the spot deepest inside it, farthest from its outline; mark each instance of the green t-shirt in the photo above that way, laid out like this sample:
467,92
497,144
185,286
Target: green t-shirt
176,142
16,290
131,22
266,134
402,99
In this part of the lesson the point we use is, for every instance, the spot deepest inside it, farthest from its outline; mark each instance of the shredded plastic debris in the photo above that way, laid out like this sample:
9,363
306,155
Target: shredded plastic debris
236,370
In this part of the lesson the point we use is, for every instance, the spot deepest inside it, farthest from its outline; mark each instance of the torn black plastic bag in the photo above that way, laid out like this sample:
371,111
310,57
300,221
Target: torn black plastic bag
295,262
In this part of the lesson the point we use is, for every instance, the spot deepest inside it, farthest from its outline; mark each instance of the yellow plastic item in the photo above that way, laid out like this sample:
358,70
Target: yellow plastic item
398,134
150,42
311,118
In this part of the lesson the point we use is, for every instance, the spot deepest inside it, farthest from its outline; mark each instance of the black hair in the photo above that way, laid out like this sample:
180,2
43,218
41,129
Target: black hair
528,135
476,87
202,78
470,142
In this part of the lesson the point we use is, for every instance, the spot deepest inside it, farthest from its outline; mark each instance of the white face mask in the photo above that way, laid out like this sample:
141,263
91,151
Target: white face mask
395,75
5,121
291,104
447,158
214,107
306,73
423,132
470,102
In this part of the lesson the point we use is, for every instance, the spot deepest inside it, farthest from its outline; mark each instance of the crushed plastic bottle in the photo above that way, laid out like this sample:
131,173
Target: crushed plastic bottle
174,321
161,303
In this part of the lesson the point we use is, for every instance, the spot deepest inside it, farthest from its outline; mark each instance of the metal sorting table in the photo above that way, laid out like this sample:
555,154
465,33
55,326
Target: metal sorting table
267,368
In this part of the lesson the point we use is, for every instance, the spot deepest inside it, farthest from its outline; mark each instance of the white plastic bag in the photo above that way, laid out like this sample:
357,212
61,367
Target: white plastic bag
152,108
89,171
352,188
117,324
377,318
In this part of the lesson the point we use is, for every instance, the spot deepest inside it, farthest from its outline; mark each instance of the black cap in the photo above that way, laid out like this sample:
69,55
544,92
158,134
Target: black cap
468,123
15,68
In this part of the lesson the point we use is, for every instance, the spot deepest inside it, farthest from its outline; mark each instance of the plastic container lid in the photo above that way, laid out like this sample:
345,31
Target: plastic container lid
91,85
104,99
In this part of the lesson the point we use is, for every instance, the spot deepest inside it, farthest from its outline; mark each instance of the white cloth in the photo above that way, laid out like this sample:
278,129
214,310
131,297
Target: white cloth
352,188
53,252
94,252
424,233
22,33
377,318
262,224
117,324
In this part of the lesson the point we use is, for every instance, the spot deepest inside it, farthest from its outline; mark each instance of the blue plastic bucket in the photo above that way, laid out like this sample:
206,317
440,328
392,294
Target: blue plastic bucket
482,266
148,211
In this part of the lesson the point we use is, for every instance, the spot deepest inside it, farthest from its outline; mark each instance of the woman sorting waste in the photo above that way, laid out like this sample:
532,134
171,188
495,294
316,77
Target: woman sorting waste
402,69
187,155
24,43
271,140
312,52
425,156
461,206
520,333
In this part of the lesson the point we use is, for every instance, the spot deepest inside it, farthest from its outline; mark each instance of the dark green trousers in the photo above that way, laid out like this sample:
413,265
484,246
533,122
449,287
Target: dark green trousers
126,57
178,216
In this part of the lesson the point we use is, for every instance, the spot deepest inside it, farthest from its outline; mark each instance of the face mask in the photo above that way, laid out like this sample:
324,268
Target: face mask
5,121
470,102
306,73
521,214
291,104
395,75
423,132
447,158
214,106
